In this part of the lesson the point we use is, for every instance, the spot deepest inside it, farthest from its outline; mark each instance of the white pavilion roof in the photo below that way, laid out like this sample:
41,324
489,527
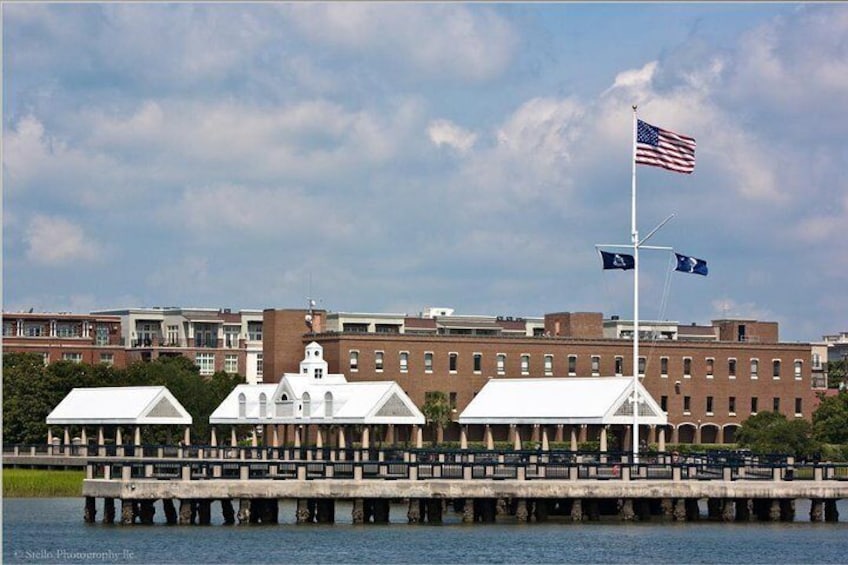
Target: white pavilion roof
315,397
129,405
565,400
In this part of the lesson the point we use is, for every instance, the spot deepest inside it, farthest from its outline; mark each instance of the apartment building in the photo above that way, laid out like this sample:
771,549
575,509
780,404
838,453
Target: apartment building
216,339
79,338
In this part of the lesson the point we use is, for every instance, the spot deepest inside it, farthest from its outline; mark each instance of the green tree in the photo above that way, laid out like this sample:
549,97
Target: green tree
771,432
837,373
437,411
830,420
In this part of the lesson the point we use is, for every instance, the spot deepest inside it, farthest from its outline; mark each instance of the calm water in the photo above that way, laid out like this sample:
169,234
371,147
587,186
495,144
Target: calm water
52,531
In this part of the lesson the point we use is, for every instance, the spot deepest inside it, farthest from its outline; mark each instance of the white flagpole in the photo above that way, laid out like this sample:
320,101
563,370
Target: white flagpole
634,233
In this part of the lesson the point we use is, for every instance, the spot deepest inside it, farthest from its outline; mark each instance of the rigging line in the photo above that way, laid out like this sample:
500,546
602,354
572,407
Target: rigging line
662,311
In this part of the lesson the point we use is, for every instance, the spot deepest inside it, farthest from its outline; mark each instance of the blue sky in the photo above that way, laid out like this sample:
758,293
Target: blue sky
400,156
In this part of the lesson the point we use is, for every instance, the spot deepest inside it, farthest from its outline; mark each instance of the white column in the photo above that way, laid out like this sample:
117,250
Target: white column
254,441
573,438
137,436
342,440
516,440
233,438
419,437
545,444
275,437
366,440
490,441
661,441
603,438
297,436
213,437
187,436
319,438
463,438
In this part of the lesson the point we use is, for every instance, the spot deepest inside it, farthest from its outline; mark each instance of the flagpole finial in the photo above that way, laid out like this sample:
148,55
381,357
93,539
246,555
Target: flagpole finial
634,107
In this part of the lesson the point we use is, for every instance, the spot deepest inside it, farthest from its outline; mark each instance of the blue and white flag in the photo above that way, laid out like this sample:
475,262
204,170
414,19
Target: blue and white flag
686,264
618,261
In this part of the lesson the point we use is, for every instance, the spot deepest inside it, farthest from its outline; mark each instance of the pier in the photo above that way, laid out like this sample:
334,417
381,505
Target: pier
249,484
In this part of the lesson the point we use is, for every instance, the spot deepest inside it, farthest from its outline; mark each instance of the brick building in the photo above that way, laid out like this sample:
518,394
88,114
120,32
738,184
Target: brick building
78,338
708,378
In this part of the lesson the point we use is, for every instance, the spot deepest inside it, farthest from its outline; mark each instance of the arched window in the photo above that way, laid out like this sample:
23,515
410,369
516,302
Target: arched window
307,405
328,404
263,405
242,405
284,397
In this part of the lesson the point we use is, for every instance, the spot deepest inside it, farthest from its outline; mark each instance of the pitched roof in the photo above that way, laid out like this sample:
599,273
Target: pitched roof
572,400
130,405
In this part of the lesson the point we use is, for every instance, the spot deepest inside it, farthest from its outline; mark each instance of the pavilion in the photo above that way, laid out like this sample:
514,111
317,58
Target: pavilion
326,403
133,406
577,402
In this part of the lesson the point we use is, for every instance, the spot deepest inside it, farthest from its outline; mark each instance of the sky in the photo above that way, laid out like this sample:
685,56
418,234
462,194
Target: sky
391,157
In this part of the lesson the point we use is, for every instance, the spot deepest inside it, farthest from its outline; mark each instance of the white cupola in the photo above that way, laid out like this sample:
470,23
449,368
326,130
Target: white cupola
313,364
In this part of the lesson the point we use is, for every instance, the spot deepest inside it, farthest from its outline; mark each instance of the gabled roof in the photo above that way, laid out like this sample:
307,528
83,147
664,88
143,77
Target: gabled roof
571,400
129,405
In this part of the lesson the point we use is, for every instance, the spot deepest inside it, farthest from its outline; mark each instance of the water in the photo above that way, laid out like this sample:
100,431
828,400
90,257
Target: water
52,531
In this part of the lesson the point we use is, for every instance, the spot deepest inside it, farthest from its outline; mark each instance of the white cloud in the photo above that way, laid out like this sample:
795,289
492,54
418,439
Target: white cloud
274,212
437,39
56,241
445,132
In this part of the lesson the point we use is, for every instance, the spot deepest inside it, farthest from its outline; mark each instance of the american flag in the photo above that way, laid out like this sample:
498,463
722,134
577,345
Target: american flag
662,148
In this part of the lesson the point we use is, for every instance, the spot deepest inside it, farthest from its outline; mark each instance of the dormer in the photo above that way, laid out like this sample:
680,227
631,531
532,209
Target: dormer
313,364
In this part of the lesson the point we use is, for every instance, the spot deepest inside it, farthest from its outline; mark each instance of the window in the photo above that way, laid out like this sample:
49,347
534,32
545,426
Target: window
710,367
452,361
107,359
231,336
687,367
755,368
101,334
173,335
731,405
354,361
525,364
263,405
242,400
428,362
775,369
798,407
260,366
231,363
8,329
799,365
378,361
254,331
72,357
664,403
549,365
817,364
731,368
33,330
206,362
596,365
319,373
387,328
572,364
501,363
404,361
66,329
452,401
753,405
307,405
663,367
204,335
328,404
709,406
355,327
776,403
687,404
642,363
478,362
